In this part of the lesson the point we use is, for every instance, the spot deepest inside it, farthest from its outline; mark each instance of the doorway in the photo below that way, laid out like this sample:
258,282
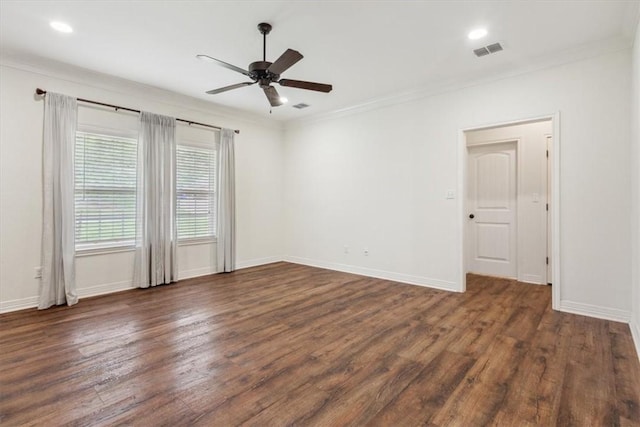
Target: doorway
508,203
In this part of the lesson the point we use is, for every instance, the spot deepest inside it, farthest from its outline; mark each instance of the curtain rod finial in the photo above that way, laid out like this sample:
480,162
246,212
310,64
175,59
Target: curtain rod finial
40,91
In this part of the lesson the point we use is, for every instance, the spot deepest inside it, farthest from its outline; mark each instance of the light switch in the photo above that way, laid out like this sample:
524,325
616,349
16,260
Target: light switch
536,198
451,194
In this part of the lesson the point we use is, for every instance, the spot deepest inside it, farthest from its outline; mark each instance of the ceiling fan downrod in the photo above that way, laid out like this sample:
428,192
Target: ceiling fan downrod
264,29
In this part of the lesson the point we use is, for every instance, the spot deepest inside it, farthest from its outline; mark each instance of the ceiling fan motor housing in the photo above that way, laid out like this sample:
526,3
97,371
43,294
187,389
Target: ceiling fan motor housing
258,72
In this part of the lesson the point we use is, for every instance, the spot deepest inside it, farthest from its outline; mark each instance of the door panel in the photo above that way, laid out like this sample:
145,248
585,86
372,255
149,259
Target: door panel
492,188
492,241
492,200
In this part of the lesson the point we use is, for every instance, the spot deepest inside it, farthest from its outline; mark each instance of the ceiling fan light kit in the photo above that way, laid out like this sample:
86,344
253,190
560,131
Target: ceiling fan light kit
264,73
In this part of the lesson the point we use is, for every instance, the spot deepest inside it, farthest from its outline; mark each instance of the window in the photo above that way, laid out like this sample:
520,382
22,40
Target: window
105,190
196,192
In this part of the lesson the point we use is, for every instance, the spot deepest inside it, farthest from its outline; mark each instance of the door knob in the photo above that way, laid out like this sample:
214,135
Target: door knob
472,216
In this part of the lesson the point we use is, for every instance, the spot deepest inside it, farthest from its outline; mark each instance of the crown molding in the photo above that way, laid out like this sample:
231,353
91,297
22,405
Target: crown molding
119,86
581,53
122,86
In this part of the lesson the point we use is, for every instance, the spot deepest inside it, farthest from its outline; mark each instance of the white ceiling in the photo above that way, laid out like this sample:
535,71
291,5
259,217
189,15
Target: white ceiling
367,49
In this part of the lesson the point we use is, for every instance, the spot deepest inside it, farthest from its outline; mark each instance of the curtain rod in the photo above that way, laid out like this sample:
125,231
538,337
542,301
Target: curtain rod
117,107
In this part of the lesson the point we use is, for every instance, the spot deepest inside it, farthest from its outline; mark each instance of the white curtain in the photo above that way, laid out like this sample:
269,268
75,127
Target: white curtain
226,203
58,229
156,236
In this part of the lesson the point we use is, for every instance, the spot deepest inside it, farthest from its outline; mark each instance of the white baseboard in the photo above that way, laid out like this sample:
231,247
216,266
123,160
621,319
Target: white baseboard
92,291
379,274
597,311
195,272
18,304
635,333
534,279
258,261
105,288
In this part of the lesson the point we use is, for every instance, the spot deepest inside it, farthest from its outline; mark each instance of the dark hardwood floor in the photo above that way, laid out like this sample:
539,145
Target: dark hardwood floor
285,344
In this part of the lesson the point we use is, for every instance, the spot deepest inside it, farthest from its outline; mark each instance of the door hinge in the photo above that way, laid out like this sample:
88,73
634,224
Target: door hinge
547,260
547,206
547,154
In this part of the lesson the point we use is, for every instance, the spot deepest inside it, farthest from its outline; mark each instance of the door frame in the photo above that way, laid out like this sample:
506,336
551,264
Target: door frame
550,178
554,197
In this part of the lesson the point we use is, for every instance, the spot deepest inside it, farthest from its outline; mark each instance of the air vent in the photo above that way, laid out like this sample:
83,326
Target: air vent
486,50
481,52
493,48
300,106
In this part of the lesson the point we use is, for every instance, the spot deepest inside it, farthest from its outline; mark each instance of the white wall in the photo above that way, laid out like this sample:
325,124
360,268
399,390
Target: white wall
378,179
373,179
258,178
532,180
635,182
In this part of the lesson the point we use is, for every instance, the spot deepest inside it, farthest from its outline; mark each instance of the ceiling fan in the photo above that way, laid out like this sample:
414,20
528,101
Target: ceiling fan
264,72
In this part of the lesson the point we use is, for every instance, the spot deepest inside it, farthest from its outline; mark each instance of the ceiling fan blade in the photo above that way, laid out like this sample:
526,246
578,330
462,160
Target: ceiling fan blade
223,64
231,87
320,87
286,60
272,96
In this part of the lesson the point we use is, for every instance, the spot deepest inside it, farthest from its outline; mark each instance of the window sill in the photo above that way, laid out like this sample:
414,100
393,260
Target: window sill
197,241
90,250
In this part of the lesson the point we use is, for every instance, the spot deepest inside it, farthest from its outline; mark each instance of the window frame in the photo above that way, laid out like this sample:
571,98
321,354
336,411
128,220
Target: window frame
208,145
91,248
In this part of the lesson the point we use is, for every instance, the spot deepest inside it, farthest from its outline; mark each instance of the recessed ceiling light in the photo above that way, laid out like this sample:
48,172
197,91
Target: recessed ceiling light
61,26
478,33
283,100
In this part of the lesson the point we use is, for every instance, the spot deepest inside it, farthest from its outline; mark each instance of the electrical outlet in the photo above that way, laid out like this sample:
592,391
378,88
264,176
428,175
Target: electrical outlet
38,271
346,249
365,251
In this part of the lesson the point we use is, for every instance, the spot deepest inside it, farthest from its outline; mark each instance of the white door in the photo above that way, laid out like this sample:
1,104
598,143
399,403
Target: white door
491,204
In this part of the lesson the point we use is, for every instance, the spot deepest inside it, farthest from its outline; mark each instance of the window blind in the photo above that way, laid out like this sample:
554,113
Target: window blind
196,192
105,189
